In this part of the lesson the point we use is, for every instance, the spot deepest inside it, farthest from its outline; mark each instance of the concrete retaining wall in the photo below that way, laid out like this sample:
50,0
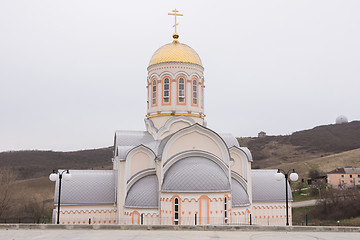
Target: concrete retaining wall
183,228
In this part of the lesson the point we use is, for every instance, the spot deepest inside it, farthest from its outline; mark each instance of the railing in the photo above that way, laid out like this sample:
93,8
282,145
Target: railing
26,220
145,220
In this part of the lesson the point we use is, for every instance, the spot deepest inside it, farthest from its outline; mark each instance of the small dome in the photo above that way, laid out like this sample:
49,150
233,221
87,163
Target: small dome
195,174
144,193
341,119
175,52
239,194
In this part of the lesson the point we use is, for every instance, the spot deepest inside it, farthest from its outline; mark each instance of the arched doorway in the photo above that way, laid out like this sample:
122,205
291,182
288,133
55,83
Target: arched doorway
204,210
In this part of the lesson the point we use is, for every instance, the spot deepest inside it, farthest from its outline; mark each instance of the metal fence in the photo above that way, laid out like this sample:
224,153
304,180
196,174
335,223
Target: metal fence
26,220
141,219
193,220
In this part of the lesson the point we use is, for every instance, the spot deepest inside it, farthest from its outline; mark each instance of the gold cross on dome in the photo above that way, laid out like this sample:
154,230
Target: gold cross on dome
175,13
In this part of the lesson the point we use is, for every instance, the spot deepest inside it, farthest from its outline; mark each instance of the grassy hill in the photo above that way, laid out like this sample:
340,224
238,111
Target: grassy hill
304,145
35,164
324,164
267,152
33,192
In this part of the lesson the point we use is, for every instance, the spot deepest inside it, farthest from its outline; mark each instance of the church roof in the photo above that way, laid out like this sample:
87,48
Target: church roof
127,140
229,140
239,194
266,189
175,52
144,193
87,187
195,174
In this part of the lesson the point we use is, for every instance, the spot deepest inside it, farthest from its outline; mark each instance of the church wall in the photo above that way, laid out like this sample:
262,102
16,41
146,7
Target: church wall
121,188
240,215
139,161
208,208
115,163
160,121
98,214
270,213
194,141
249,181
239,165
133,216
242,166
174,128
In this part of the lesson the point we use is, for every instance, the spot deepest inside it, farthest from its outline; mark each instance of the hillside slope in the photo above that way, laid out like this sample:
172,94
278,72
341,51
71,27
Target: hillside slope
268,151
34,164
324,164
303,145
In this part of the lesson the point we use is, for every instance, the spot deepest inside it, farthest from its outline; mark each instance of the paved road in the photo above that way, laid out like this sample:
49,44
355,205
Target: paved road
304,203
170,235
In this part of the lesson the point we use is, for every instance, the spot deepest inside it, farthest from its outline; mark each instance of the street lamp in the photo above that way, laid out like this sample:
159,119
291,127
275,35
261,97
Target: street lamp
280,175
55,175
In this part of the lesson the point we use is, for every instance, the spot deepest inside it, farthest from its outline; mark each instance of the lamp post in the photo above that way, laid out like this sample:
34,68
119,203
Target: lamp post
281,174
55,175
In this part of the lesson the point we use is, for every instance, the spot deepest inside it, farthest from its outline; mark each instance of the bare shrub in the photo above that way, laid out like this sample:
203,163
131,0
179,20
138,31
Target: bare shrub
35,207
338,204
7,178
314,173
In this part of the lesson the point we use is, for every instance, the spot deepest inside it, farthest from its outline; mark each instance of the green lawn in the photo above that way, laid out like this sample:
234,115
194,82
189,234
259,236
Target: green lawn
304,195
299,218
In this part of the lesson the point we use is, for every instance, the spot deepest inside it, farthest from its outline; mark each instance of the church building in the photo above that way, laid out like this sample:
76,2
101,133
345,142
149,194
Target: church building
177,171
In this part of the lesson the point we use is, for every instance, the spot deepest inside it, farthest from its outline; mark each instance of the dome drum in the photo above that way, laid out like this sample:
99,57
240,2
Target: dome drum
175,89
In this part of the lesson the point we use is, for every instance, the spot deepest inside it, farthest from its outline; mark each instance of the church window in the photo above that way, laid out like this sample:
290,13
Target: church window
176,211
166,90
154,92
181,90
194,92
350,176
202,97
226,210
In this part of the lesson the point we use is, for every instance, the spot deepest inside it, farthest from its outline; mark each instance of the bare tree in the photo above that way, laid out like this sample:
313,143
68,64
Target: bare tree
7,178
314,173
318,185
338,204
35,207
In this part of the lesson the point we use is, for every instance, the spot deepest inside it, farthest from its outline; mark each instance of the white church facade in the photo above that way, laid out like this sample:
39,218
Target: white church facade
177,171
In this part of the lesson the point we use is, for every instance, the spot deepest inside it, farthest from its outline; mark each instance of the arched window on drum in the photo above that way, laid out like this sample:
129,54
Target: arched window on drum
181,89
194,92
153,101
166,93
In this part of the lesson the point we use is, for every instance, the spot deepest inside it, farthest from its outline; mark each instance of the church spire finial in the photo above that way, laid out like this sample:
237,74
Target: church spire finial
175,13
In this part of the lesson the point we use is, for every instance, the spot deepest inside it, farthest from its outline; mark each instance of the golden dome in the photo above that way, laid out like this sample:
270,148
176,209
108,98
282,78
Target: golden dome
175,52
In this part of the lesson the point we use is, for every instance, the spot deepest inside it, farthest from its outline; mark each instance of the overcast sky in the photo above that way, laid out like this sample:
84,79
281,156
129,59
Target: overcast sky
73,72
